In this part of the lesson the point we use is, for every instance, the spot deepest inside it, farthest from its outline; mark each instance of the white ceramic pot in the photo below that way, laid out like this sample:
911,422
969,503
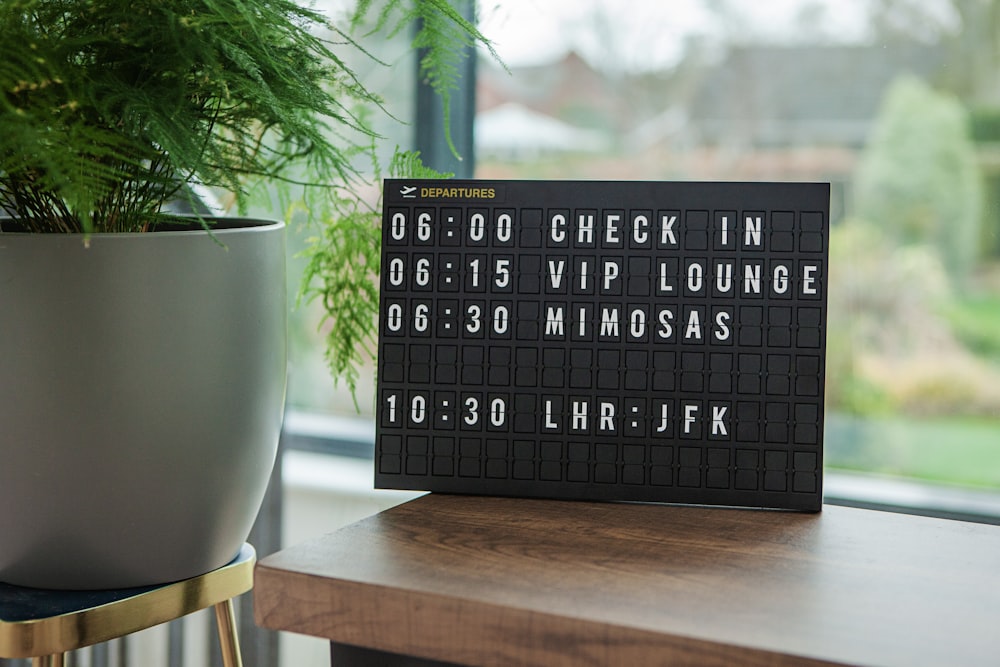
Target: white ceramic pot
142,381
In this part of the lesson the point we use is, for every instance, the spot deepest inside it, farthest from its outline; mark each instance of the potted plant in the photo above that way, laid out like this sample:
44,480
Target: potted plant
142,352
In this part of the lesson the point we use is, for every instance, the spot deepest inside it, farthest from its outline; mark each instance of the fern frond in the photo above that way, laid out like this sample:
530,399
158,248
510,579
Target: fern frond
109,108
443,37
342,271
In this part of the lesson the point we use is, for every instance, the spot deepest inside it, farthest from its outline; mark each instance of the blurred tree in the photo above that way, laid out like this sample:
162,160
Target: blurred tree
978,46
969,28
918,179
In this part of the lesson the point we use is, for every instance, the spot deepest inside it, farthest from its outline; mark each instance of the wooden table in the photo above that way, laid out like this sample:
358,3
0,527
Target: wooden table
503,581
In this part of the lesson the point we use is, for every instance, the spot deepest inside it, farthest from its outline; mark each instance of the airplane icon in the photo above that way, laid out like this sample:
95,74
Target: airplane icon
408,191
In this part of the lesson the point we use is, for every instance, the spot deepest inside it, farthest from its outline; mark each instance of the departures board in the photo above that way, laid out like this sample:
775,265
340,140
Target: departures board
602,340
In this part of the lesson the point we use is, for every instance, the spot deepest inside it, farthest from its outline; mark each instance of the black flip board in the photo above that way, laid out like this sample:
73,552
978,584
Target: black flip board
645,341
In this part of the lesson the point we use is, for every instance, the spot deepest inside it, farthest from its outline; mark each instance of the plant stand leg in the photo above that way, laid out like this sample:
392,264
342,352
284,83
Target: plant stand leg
228,640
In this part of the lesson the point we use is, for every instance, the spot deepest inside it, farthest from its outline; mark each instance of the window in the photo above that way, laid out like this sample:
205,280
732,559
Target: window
895,103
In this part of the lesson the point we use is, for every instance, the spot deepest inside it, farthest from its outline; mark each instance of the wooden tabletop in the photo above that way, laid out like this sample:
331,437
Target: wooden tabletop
505,581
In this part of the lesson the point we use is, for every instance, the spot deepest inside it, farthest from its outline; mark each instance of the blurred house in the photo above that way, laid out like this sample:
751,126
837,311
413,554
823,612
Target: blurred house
773,96
755,112
753,97
563,89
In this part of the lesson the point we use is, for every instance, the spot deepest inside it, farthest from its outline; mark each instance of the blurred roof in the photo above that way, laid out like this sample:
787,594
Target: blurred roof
515,130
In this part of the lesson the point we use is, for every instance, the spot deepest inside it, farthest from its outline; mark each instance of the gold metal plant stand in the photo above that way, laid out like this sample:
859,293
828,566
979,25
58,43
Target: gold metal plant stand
44,625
